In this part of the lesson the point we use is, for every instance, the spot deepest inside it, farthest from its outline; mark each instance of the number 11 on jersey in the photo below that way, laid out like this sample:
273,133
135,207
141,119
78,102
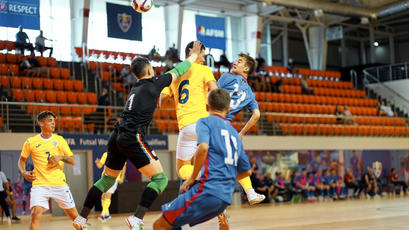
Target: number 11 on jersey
229,159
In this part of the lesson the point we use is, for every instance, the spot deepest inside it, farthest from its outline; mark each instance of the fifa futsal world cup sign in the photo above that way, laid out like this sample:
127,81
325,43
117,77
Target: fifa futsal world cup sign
14,13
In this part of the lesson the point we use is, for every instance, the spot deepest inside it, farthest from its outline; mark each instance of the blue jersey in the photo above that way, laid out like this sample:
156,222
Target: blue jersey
240,93
226,157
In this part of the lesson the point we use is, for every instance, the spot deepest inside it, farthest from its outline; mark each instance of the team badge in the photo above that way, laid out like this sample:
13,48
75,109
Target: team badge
55,144
377,168
124,22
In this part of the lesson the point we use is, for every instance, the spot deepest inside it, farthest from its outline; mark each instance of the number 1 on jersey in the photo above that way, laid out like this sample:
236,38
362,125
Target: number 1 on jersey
130,101
229,159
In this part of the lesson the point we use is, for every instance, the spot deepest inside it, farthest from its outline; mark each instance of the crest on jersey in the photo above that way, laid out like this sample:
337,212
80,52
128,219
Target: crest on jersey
124,22
377,168
55,144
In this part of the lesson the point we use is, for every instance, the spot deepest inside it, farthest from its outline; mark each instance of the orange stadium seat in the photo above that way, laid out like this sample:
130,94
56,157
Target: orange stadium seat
39,95
54,109
82,98
4,81
71,97
76,111
105,76
78,123
29,95
78,85
14,69
68,85
58,84
11,58
61,97
17,94
52,62
50,96
65,110
2,56
4,69
48,83
15,82
10,45
92,98
55,72
37,83
92,65
26,82
65,73
42,61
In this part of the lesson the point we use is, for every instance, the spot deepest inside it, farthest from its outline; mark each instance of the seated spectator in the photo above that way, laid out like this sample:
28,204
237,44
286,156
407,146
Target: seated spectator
304,86
126,75
261,187
223,61
31,67
272,191
291,66
40,44
323,190
23,42
388,110
261,64
332,182
396,182
382,108
10,202
4,190
368,182
302,184
348,119
350,182
311,187
152,53
341,191
255,83
276,86
338,114
265,83
280,185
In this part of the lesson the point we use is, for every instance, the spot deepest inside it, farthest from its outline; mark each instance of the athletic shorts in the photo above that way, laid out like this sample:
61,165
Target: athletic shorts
192,208
40,196
187,143
113,188
123,145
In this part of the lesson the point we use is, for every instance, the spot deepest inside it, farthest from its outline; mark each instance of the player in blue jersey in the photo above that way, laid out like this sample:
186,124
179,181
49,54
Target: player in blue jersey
220,159
242,96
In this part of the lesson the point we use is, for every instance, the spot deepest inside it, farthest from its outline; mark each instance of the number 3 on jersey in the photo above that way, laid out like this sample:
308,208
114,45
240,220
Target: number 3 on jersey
241,94
183,92
229,159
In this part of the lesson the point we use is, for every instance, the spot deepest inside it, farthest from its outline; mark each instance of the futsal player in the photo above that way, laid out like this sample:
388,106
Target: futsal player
106,197
220,158
49,152
127,140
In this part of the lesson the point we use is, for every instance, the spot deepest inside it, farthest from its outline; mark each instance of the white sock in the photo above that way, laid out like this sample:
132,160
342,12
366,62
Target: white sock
250,191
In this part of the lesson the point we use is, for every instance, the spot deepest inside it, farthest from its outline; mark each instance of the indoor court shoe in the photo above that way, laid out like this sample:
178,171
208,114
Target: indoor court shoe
107,217
224,221
134,223
80,223
255,198
101,218
15,218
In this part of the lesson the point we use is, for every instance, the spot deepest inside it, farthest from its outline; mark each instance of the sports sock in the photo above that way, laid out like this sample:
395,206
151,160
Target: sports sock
246,184
105,206
186,171
94,194
148,197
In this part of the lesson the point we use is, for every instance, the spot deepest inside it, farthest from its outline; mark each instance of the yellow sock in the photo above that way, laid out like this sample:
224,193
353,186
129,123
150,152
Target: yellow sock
246,183
105,206
185,171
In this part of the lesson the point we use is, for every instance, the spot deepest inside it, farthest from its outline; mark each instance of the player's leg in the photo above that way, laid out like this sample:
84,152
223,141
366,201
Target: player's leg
72,213
161,224
36,213
13,205
65,200
185,150
106,202
4,205
137,150
252,196
39,202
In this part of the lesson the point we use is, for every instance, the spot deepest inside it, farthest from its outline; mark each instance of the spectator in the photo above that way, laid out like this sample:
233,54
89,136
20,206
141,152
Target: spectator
302,184
291,66
168,61
368,182
223,61
272,191
10,202
4,189
280,185
338,114
382,108
320,186
311,187
254,170
261,187
254,83
396,182
304,86
40,44
276,86
388,110
350,182
152,52
31,67
103,100
209,59
126,74
261,67
348,119
21,41
332,181
341,191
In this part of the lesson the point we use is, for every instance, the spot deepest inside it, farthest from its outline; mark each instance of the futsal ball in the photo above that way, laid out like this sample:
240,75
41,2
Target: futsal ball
142,6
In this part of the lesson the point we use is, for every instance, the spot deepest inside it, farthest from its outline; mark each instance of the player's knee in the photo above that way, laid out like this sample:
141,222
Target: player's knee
36,213
105,183
159,182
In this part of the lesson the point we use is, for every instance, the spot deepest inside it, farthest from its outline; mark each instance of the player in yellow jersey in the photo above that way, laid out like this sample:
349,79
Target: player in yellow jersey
49,153
106,197
190,95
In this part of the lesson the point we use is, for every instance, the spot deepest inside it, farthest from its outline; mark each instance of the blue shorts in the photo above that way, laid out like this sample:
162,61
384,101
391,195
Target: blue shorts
192,207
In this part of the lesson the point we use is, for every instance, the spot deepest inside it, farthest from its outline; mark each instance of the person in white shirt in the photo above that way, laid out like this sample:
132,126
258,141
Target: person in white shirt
40,44
3,193
388,110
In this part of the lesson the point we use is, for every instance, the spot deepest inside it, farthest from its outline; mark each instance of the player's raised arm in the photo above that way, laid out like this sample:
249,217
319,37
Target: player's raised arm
184,66
250,123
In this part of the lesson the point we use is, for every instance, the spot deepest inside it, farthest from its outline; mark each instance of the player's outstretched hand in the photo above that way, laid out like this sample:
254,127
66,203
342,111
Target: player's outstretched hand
197,48
29,175
186,185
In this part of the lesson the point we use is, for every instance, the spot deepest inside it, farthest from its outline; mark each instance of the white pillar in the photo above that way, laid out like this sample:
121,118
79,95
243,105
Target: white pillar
317,48
252,26
173,25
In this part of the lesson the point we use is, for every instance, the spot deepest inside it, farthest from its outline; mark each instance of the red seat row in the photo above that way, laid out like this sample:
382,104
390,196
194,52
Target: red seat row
41,83
16,58
54,96
315,83
60,110
292,89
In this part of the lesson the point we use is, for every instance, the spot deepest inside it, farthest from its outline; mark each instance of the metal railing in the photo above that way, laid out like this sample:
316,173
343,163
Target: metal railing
21,117
388,72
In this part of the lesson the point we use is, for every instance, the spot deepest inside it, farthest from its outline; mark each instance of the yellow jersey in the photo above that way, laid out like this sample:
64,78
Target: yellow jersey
190,94
41,150
103,160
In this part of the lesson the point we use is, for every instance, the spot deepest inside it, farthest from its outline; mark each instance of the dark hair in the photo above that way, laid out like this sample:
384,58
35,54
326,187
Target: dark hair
250,62
44,114
190,46
392,169
138,66
219,100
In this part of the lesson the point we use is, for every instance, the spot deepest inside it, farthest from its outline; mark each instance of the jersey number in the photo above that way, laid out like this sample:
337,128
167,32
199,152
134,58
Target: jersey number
130,101
48,155
229,159
185,92
241,94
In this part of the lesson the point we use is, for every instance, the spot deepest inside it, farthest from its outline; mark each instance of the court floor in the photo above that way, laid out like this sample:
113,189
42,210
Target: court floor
378,214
